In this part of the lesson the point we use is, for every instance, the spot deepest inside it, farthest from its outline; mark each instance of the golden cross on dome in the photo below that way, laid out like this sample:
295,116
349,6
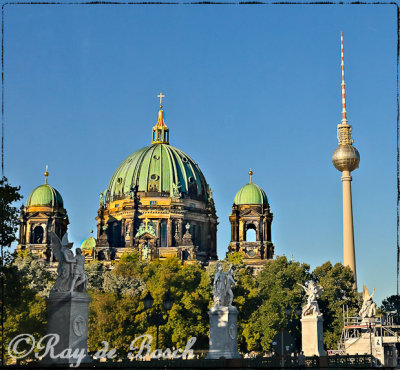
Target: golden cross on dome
161,96
146,221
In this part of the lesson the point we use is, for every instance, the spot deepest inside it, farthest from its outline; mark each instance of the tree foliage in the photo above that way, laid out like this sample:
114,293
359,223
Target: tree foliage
117,313
8,212
337,282
24,308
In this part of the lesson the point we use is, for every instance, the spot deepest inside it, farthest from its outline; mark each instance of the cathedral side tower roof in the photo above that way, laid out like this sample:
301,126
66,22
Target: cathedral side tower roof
251,194
45,195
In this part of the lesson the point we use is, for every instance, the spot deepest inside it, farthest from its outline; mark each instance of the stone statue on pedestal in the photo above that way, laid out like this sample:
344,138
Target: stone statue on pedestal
68,304
71,269
223,282
223,317
312,322
313,292
368,308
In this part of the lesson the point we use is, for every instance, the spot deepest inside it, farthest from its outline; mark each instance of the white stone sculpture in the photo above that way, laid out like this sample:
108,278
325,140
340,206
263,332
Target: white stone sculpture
312,334
223,282
71,269
223,317
368,308
313,292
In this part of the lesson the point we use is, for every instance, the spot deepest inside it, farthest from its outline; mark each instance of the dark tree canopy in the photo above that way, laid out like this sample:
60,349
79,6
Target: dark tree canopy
8,213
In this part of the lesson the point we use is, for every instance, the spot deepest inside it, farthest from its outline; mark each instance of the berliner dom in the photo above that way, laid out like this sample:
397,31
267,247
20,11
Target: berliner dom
157,203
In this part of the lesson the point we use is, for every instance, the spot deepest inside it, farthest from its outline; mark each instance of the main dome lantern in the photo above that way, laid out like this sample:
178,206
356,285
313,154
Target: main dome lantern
158,193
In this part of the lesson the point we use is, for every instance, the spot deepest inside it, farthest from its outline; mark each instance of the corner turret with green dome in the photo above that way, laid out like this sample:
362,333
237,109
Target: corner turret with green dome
164,185
251,194
251,220
43,212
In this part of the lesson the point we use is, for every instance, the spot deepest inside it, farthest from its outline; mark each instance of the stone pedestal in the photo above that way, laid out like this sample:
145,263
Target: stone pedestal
312,337
223,333
68,317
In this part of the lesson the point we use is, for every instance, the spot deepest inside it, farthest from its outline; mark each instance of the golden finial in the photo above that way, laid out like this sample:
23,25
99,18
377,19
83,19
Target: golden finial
91,231
161,96
146,221
251,174
46,173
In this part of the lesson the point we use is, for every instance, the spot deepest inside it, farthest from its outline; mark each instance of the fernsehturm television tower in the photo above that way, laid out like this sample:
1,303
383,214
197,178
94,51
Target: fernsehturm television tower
346,159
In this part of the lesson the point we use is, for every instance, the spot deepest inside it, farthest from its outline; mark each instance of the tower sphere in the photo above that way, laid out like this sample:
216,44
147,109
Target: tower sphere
346,158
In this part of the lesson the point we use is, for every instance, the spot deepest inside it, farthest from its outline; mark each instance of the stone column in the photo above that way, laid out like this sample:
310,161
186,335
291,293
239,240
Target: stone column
312,338
169,233
223,333
68,317
349,258
122,243
241,231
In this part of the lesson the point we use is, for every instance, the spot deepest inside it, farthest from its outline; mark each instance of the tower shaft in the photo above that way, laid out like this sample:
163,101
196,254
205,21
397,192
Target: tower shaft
349,255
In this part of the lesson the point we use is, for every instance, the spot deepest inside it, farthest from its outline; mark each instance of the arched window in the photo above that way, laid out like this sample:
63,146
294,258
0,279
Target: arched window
38,235
251,233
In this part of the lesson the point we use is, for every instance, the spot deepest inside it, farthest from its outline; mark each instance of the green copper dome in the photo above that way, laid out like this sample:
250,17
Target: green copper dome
158,168
251,194
45,195
89,244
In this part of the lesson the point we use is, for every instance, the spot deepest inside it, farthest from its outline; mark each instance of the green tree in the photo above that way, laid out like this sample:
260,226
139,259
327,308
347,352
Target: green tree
24,309
391,304
8,212
277,289
95,272
34,270
337,282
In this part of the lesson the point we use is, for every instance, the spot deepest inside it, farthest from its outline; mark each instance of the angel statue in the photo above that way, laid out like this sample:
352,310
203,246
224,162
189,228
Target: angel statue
313,292
368,308
70,270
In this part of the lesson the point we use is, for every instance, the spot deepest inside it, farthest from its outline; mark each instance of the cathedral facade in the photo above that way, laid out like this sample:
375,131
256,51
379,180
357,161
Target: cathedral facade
159,204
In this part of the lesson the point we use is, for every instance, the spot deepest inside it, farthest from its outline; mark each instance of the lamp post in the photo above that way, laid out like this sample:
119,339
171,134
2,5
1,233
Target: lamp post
370,340
157,318
288,312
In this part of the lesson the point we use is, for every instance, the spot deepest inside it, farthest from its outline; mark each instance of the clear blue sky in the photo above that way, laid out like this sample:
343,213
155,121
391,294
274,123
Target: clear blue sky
246,86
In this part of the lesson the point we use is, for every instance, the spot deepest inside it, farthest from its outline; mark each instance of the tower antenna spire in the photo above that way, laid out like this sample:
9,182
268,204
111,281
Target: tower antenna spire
344,113
46,174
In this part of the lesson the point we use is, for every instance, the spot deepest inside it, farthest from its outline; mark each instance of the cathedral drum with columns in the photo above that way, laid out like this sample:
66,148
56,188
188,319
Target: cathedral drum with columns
251,214
159,204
